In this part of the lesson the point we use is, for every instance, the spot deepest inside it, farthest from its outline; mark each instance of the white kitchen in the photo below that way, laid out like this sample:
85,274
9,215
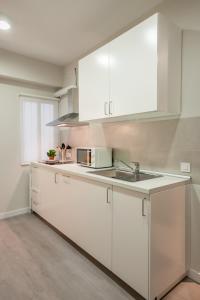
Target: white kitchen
100,147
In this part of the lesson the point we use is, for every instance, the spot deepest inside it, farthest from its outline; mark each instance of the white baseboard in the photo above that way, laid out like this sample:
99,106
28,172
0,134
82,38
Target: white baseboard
194,275
13,213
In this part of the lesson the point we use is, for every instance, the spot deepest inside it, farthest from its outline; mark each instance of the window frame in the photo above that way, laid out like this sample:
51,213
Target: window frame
39,100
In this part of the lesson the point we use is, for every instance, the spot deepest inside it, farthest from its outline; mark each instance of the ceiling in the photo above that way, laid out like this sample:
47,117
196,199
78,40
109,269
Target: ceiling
64,30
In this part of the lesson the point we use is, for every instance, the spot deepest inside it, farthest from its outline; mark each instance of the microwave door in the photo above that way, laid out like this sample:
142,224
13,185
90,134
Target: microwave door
89,157
84,157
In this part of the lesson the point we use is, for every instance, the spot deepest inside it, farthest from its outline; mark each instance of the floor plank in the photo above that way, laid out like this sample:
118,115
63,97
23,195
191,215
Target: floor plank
185,291
36,263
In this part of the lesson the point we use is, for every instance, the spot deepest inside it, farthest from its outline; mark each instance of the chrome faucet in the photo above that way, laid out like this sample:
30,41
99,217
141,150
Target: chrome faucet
135,170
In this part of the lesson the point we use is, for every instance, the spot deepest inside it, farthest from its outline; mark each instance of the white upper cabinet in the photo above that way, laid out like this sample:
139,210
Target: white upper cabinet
133,70
94,85
136,74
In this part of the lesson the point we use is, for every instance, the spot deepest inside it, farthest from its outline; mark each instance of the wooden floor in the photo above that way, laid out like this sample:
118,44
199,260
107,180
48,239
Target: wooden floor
185,291
37,264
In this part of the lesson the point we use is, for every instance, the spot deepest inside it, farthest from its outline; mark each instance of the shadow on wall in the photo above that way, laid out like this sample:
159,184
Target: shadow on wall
158,145
145,142
92,135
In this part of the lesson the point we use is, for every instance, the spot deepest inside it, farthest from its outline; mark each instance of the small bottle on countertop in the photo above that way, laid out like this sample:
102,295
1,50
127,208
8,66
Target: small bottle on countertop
69,152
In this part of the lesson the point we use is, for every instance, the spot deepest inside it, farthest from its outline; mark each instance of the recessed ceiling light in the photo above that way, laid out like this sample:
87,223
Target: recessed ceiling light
4,25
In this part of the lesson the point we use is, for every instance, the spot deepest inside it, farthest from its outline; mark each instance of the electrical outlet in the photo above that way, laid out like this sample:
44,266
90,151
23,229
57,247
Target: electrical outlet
185,167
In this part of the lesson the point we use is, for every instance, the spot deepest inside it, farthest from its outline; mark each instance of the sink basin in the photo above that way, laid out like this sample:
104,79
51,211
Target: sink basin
125,175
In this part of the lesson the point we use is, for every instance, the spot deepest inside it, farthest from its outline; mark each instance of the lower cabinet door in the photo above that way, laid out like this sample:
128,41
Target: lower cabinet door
89,216
47,194
130,239
35,189
80,209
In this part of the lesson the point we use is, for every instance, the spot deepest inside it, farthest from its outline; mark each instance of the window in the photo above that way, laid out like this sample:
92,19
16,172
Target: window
36,137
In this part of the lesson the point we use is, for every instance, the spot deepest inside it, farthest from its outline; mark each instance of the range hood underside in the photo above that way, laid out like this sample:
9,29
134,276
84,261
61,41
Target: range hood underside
68,120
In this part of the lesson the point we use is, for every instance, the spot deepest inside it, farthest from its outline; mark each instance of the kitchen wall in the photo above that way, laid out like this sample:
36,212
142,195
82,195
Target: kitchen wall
159,144
19,67
69,74
14,185
19,74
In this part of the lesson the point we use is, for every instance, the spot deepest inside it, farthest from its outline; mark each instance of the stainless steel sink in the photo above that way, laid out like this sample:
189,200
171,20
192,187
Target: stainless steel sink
124,175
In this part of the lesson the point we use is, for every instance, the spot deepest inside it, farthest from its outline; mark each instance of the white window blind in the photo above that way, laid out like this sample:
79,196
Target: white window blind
36,137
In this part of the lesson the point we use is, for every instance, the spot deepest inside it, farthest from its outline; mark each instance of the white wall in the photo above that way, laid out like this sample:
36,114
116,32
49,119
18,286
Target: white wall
191,74
19,74
69,102
69,77
26,69
14,177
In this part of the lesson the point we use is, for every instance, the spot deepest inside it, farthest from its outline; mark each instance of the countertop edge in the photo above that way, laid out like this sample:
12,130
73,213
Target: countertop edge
111,181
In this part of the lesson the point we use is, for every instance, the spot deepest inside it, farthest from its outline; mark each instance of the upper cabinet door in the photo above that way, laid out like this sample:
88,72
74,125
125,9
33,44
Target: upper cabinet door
94,85
138,73
133,70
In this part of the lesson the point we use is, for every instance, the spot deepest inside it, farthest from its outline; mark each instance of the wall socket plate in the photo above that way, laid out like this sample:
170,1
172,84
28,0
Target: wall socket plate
185,167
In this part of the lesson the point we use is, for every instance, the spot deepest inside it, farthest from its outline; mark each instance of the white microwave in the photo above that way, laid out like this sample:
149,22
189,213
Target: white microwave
97,157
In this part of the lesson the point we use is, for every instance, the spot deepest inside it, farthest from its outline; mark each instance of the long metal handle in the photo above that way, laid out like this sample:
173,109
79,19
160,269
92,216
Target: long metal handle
110,105
105,108
55,178
143,202
107,195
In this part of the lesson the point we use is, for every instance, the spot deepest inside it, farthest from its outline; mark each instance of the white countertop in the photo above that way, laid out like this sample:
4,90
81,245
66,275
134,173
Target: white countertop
147,186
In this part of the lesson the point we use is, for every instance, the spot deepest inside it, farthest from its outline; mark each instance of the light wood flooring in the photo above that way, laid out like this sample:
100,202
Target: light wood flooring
37,264
185,291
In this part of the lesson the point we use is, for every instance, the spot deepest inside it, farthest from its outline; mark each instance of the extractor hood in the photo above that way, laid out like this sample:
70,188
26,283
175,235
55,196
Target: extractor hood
70,119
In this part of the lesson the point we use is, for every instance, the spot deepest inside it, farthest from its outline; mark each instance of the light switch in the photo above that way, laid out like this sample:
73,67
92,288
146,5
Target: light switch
185,167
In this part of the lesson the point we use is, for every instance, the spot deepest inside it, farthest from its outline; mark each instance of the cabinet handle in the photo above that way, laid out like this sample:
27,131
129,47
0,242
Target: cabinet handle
55,178
105,108
143,201
66,176
107,195
110,108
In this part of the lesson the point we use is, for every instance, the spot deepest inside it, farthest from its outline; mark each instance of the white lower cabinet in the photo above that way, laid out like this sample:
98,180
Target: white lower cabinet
87,215
168,260
40,188
149,239
34,189
130,239
139,237
78,208
44,200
